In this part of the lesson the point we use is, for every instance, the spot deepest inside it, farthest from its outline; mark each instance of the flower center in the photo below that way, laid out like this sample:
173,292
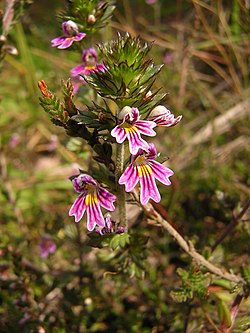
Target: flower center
143,168
91,199
90,67
140,160
129,128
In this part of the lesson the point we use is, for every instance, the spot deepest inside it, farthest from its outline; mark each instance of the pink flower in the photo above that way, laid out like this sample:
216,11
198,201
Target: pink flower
88,66
14,140
145,169
163,117
168,58
92,197
71,34
110,227
47,246
131,127
151,2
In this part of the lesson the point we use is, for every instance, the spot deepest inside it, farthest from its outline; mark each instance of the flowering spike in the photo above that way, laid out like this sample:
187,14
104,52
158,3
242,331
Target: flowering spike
128,75
91,197
131,127
71,34
145,169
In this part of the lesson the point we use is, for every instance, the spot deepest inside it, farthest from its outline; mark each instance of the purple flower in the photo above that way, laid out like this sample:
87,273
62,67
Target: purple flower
46,246
110,227
163,117
88,66
131,127
71,34
92,197
168,58
14,140
145,169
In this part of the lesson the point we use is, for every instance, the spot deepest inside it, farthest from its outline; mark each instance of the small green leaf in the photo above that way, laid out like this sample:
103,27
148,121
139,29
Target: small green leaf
224,313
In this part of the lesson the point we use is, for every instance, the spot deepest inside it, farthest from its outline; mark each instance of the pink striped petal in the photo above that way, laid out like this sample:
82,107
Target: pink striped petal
79,36
68,41
161,173
148,188
145,127
129,178
77,70
119,133
94,216
106,199
78,208
135,141
57,41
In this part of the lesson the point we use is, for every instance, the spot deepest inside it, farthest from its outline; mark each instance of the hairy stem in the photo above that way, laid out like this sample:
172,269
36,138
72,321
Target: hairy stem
121,195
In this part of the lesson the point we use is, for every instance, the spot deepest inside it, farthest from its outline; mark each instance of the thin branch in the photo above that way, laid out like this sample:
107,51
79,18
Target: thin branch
231,225
210,320
188,247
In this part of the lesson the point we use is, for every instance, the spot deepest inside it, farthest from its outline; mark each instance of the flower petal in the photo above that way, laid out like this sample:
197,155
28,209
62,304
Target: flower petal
79,36
57,41
101,67
145,127
129,178
77,70
78,208
106,199
148,188
66,43
135,141
161,173
94,214
119,134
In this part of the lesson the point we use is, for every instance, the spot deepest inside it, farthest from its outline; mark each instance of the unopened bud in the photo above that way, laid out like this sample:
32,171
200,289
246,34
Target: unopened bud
159,110
148,94
10,49
70,28
44,89
2,38
91,19
126,110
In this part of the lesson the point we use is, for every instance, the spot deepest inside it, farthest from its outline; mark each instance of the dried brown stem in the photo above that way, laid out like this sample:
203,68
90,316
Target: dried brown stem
188,247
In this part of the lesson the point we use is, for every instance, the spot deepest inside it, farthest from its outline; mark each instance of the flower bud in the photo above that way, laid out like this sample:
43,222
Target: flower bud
124,111
70,28
163,117
2,38
91,19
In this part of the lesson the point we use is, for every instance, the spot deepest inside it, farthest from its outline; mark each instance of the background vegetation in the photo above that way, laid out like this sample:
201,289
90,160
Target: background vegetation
77,288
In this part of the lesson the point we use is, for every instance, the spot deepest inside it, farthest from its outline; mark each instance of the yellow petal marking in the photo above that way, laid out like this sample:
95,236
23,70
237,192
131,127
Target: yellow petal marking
90,67
129,128
91,199
144,170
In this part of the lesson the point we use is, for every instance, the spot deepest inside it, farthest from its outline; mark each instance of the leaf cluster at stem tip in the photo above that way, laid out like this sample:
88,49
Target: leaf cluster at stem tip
129,74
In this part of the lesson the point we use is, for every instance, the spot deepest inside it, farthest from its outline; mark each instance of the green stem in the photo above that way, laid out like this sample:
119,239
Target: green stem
121,195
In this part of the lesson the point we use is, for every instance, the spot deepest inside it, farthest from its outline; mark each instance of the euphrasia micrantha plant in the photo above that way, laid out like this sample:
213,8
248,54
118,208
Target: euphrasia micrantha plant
120,136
